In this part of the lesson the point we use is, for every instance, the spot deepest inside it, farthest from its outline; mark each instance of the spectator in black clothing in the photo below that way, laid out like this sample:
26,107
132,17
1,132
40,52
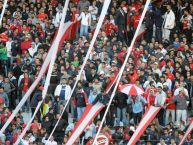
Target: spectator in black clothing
47,124
166,136
60,129
158,20
149,26
121,103
118,135
16,69
80,101
35,100
50,114
103,98
120,21
152,135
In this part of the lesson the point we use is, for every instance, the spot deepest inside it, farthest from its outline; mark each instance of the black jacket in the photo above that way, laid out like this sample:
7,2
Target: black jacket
102,99
80,99
121,100
36,98
120,18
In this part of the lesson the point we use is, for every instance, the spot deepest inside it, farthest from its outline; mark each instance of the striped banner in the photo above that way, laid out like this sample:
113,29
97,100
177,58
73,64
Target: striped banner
88,116
148,117
188,131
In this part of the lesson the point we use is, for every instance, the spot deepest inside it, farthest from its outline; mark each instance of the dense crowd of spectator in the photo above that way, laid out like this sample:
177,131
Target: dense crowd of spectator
161,63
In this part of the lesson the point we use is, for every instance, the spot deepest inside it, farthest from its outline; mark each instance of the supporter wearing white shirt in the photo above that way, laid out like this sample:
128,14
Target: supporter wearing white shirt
85,18
160,97
33,49
168,23
93,10
9,47
146,85
180,88
58,18
63,90
156,70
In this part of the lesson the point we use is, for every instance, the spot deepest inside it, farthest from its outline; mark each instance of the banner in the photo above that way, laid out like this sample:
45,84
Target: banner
141,32
88,116
187,132
148,117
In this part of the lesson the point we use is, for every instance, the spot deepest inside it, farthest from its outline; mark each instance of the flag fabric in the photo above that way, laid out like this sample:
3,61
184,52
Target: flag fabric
88,116
141,32
187,132
149,115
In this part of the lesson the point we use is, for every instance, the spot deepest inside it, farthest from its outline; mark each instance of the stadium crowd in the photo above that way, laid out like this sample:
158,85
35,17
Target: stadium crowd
161,63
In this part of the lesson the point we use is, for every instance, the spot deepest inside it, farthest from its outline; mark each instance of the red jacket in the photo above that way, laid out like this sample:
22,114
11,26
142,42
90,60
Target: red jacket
121,56
25,45
135,21
133,77
171,106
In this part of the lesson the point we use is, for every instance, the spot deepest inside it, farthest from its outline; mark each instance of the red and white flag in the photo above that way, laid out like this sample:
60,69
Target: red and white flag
149,115
187,132
88,116
141,32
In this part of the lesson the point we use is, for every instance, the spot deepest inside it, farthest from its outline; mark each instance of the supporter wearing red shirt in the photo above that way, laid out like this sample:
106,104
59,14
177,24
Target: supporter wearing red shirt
42,15
150,96
24,86
170,108
76,24
26,44
133,76
169,74
190,61
121,55
109,27
136,5
35,126
136,19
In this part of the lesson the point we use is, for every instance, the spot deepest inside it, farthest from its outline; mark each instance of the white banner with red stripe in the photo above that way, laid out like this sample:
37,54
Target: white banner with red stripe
188,131
141,32
88,116
149,115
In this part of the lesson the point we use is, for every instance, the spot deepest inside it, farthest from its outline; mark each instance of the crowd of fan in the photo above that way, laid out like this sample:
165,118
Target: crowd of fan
161,63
